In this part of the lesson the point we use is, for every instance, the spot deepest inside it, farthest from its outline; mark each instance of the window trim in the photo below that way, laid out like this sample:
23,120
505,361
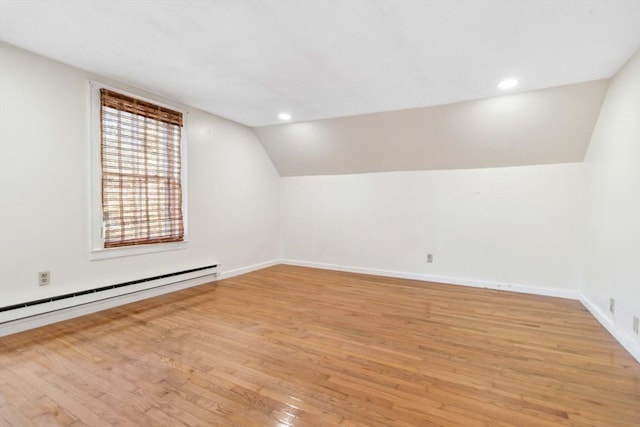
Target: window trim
97,251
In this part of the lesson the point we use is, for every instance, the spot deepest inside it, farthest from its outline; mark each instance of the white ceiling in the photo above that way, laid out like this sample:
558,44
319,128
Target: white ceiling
249,60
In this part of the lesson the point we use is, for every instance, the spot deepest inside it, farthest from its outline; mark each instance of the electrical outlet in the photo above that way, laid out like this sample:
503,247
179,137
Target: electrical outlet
44,278
612,305
635,324
429,257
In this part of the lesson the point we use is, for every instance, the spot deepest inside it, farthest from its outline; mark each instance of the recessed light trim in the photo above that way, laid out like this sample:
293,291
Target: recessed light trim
508,84
285,117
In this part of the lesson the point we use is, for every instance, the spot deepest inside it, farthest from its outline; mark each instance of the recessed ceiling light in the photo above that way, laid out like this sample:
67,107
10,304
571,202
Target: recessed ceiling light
284,116
508,84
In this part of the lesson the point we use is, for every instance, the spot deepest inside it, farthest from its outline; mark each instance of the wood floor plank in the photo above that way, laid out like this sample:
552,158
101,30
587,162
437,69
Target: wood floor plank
292,346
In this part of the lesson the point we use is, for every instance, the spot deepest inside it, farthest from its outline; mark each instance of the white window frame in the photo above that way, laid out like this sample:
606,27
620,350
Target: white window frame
96,244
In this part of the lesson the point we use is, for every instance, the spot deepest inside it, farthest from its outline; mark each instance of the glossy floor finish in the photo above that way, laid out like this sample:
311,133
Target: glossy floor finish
291,346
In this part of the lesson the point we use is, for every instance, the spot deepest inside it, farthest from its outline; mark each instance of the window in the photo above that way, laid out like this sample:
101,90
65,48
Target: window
141,172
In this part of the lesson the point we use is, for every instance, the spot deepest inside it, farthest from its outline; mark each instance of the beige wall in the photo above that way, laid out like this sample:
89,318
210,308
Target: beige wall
548,126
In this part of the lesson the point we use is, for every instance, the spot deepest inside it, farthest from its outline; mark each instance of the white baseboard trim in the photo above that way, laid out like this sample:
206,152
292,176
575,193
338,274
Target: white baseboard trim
51,314
248,269
631,345
513,287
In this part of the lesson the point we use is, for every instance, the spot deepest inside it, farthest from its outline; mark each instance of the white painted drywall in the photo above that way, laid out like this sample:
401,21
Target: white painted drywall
518,225
612,196
233,187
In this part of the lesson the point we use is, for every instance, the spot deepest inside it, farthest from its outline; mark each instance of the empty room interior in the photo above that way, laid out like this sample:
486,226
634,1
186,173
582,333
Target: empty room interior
319,213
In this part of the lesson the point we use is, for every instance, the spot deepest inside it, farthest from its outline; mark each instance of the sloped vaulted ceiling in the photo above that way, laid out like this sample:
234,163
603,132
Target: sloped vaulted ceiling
546,126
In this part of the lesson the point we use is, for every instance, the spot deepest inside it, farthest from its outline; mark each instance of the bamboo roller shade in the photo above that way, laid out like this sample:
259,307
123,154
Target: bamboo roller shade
141,172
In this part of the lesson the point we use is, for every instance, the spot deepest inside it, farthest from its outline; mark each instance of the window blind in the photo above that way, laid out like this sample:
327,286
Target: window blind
141,172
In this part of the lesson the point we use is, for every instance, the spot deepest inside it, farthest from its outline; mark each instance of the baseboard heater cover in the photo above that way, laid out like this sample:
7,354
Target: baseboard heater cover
102,289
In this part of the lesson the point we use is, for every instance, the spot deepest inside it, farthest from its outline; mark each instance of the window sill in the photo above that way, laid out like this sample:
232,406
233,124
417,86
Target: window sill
101,253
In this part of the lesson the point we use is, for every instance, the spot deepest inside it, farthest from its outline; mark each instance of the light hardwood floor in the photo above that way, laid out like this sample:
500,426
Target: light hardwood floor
291,346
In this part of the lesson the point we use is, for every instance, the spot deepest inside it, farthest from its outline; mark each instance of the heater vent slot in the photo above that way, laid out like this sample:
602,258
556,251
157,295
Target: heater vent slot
103,288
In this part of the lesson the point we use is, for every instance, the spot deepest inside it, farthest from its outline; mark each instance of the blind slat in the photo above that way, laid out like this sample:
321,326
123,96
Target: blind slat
138,107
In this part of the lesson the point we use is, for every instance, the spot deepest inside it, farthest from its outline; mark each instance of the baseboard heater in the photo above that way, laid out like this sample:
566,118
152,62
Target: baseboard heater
105,288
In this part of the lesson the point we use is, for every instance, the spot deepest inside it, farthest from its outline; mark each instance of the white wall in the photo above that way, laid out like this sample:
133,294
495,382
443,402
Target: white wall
500,226
612,195
233,189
